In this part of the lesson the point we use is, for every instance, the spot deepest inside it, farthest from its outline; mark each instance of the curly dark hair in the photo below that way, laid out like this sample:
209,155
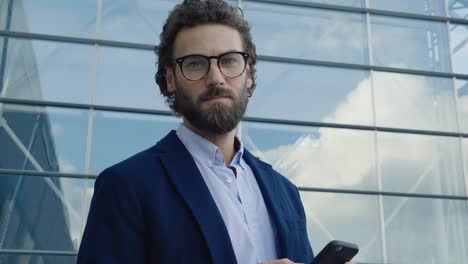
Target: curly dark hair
192,13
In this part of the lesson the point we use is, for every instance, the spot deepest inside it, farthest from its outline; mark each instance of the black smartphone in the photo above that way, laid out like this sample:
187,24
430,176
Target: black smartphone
336,252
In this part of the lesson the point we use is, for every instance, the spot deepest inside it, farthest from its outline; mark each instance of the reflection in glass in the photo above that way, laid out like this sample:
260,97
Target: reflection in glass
128,75
45,70
47,259
89,183
311,93
458,8
56,17
459,41
414,101
117,136
40,213
353,3
43,138
137,21
425,44
423,7
422,230
307,33
347,217
462,93
420,164
308,156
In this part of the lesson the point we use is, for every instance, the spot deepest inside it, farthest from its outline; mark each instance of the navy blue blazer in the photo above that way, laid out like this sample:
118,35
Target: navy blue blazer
156,208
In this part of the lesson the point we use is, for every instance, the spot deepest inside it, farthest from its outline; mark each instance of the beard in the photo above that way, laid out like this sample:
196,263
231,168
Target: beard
218,118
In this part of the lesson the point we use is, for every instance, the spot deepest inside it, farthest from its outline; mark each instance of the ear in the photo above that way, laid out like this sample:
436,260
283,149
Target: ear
170,80
249,78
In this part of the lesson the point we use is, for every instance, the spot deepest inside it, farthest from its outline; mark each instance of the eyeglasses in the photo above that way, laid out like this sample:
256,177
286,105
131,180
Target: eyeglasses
195,67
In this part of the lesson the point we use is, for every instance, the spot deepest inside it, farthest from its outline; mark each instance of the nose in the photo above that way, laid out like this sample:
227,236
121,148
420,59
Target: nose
214,76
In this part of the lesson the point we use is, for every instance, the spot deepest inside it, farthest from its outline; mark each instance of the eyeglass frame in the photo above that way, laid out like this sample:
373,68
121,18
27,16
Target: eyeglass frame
244,55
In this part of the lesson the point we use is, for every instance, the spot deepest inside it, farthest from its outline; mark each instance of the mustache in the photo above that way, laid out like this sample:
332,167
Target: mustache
216,92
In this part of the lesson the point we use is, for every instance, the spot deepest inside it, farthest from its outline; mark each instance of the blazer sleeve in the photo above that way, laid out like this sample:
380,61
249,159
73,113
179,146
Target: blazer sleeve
114,231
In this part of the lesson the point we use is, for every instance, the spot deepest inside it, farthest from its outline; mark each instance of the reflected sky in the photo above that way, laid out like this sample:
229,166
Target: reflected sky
311,93
347,217
45,70
462,92
458,8
353,3
309,156
426,230
55,17
305,33
117,136
128,75
459,41
428,164
424,7
414,101
425,43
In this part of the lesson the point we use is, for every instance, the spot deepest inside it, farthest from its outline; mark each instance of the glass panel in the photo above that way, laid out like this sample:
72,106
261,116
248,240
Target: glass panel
22,259
458,8
308,155
425,44
423,7
44,70
117,136
43,138
128,75
348,217
282,94
138,21
422,230
420,164
307,33
462,91
3,14
56,17
459,40
353,3
414,101
88,197
40,213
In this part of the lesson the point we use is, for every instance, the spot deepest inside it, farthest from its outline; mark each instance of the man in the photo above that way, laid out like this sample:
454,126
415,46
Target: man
198,196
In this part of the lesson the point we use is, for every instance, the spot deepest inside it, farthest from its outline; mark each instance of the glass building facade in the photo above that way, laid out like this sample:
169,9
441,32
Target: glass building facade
363,104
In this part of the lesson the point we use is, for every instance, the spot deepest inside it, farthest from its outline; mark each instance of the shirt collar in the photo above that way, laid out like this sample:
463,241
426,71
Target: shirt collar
207,152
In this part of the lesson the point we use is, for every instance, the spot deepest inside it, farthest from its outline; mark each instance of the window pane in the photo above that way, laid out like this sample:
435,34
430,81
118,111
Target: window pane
424,7
46,259
420,164
308,155
422,230
462,91
414,101
425,44
89,183
40,213
459,40
458,8
128,76
348,217
43,138
3,14
307,33
138,21
353,3
44,70
56,17
282,94
117,136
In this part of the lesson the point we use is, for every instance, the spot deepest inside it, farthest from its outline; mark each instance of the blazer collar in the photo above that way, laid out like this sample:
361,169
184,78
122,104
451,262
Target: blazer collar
184,174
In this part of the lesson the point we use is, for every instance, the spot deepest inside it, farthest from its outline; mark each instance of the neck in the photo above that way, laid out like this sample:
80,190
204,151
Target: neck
225,142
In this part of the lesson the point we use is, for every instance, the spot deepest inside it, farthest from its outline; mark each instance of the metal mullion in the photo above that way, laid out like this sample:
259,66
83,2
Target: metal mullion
350,9
37,252
51,174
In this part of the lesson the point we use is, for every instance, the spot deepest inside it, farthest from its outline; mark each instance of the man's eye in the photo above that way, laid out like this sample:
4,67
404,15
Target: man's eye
229,61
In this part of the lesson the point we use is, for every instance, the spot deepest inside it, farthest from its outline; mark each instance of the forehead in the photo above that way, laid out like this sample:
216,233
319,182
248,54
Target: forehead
207,40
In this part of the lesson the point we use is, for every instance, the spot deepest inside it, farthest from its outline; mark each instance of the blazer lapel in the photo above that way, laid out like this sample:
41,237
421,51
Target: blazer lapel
186,177
269,186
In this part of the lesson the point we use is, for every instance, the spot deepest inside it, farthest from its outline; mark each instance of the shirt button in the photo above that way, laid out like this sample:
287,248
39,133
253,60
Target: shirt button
209,162
228,179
